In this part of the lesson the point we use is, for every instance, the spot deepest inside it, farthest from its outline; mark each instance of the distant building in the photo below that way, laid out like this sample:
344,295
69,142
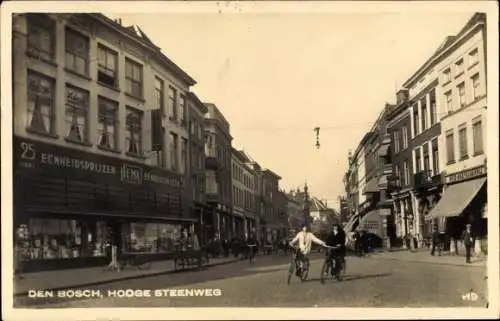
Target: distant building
196,115
243,178
218,142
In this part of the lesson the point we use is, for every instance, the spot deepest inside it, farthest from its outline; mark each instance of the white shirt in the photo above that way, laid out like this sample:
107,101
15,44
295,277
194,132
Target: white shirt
305,240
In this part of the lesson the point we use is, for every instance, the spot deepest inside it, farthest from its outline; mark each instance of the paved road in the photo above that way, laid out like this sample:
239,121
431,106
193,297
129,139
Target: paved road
368,283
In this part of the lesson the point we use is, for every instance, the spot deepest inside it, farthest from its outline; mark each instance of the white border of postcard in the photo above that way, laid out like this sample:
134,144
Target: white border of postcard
7,8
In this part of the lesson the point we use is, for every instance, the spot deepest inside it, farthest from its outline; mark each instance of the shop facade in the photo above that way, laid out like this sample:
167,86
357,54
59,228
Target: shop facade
71,206
464,201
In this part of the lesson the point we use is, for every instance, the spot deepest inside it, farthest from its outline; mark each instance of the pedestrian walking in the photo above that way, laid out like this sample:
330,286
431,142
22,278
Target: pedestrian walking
436,241
468,240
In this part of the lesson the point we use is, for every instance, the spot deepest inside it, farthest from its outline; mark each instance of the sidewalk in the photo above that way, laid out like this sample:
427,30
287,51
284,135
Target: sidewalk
423,256
73,278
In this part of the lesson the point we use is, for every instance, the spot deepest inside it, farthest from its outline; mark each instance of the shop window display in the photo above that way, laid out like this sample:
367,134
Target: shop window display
150,237
46,239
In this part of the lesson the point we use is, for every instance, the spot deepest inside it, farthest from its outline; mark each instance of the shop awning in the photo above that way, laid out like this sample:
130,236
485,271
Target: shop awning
371,186
387,203
348,226
371,223
456,197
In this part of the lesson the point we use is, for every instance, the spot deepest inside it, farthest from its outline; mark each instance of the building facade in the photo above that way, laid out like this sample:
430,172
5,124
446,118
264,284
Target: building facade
377,216
462,98
243,194
87,91
197,184
218,142
401,181
269,200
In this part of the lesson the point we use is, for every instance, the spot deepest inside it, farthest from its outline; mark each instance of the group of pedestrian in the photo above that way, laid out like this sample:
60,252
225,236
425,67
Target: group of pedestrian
439,240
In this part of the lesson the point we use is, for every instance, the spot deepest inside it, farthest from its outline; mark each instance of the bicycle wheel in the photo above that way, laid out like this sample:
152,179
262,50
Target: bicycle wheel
305,272
324,272
290,273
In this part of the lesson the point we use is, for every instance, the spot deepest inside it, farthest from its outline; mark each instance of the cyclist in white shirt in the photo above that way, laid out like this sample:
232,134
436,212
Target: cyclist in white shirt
305,239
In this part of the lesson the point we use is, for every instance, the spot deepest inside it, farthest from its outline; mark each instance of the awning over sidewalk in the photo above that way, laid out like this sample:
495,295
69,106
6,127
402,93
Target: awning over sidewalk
371,223
456,197
371,186
348,226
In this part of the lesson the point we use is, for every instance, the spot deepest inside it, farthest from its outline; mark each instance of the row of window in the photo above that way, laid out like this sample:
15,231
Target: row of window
463,150
213,149
463,100
42,43
422,153
404,135
243,198
404,178
459,66
422,111
239,175
41,119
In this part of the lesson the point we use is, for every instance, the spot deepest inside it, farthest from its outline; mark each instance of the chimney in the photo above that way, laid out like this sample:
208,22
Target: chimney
119,21
402,96
349,156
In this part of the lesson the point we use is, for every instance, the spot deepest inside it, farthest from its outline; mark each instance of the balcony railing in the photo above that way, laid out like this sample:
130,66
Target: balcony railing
425,179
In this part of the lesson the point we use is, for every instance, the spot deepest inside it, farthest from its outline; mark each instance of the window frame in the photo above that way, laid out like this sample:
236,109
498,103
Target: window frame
107,51
450,152
462,94
86,56
51,116
448,96
173,112
48,25
159,94
184,146
475,123
132,128
475,87
182,110
174,151
474,53
130,79
85,111
103,117
463,150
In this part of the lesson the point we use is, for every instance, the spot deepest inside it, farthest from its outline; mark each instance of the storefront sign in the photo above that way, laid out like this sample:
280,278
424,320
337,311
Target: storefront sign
466,174
371,223
61,161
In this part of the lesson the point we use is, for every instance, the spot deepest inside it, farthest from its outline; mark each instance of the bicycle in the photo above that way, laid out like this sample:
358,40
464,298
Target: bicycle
301,263
329,266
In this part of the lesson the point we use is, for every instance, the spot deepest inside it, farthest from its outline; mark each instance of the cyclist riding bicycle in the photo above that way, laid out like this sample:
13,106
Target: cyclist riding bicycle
305,239
336,239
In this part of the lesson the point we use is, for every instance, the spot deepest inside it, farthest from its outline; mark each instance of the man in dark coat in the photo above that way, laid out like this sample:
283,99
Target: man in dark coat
468,240
337,239
436,241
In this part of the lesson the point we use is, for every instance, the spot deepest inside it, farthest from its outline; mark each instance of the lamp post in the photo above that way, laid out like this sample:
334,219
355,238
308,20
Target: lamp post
306,206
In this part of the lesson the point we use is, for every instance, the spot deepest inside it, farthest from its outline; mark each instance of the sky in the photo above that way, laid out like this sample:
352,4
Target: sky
276,77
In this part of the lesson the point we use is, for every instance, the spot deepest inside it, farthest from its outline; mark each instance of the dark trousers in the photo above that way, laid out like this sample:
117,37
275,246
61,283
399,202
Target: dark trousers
433,248
467,253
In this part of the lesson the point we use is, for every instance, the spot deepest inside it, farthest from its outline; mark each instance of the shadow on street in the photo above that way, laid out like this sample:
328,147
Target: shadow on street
348,278
176,279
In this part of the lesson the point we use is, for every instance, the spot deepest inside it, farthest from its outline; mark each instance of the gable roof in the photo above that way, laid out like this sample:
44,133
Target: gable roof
448,42
136,33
